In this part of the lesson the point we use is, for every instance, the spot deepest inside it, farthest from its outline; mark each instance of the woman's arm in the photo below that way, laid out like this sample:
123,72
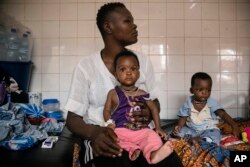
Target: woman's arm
103,140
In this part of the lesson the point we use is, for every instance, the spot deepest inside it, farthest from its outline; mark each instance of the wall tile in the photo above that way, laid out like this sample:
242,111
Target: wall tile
51,11
227,29
86,11
243,28
50,64
175,28
243,63
180,36
193,11
242,10
210,11
228,81
157,46
175,46
157,11
227,11
175,10
50,29
155,30
176,81
16,10
192,28
67,64
211,63
159,63
68,11
193,46
50,82
33,12
243,81
175,63
228,63
68,29
140,10
211,46
193,63
50,46
68,46
210,28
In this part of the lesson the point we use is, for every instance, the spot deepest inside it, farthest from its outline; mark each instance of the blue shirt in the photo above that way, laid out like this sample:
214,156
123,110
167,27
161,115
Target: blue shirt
207,114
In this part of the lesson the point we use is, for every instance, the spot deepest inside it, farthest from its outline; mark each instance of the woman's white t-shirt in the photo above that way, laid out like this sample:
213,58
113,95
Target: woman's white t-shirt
92,81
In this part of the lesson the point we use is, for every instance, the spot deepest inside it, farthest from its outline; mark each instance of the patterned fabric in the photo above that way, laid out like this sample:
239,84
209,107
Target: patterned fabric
203,154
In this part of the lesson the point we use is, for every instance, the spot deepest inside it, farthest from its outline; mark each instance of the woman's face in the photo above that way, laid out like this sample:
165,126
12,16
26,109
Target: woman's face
122,27
127,70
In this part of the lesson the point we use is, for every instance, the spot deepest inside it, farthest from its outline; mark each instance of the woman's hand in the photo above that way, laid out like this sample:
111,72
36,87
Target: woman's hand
104,142
142,117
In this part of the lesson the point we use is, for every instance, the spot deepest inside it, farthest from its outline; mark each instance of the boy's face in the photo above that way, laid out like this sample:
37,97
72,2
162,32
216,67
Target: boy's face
122,27
201,89
127,71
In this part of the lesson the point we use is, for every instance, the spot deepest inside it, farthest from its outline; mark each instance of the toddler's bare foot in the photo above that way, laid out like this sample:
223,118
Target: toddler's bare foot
135,154
164,151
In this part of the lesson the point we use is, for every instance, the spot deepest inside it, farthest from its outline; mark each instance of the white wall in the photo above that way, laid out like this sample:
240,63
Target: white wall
180,36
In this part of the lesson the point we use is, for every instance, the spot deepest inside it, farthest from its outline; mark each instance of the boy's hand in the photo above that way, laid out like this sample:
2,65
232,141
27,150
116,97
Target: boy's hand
176,130
236,131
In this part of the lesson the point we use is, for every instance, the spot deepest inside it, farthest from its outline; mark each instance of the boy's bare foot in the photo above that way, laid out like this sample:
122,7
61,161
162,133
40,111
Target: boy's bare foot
164,151
135,154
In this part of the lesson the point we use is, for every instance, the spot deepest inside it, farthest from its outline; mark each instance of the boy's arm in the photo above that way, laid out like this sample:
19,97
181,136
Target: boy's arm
228,119
182,121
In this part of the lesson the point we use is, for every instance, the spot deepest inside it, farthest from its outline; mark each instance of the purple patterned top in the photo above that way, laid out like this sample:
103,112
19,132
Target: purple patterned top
120,115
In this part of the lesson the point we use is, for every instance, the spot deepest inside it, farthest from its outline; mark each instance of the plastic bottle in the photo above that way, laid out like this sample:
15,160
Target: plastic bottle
24,50
2,42
12,45
30,38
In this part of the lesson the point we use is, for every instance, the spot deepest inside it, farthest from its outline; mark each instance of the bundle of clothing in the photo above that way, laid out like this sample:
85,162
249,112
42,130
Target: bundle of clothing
9,90
16,132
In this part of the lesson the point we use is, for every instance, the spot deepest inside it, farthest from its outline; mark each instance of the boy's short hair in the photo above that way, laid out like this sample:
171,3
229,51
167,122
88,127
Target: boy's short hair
125,53
200,75
104,11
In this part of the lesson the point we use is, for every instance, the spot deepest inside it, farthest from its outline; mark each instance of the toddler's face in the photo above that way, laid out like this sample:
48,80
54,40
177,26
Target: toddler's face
127,70
201,89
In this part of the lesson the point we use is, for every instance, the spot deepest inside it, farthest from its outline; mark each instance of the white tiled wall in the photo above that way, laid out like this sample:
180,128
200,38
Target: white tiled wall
180,36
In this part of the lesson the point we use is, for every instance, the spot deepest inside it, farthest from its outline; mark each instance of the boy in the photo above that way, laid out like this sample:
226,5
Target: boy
199,113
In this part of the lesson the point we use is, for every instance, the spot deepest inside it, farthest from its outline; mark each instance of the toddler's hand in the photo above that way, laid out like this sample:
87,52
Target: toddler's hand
176,130
236,131
162,133
112,126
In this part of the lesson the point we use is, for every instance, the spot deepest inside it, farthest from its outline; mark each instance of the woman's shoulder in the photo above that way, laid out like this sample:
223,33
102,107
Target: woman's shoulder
88,62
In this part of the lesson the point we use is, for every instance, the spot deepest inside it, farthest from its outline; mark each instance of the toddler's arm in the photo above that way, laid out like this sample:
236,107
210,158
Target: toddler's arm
181,123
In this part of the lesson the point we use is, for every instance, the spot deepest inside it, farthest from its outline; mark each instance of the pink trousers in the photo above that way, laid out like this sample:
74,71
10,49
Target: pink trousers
146,140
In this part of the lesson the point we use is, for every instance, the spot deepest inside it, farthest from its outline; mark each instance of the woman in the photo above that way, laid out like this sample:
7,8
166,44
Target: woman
94,77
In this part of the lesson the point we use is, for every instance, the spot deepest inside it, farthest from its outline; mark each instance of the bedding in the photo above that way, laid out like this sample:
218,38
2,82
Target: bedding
200,153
